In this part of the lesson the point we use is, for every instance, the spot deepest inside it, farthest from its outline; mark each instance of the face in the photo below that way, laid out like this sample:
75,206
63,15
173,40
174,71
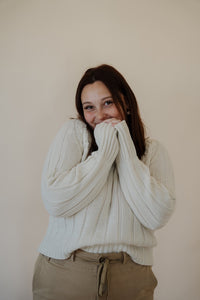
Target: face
98,104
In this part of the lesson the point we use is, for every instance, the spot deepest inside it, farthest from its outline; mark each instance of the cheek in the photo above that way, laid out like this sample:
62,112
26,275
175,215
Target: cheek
117,114
88,117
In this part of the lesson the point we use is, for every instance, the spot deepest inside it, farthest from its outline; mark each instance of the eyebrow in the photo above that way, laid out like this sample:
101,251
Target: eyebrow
104,98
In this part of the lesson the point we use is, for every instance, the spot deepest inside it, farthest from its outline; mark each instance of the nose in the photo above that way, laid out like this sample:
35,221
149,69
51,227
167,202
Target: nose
100,116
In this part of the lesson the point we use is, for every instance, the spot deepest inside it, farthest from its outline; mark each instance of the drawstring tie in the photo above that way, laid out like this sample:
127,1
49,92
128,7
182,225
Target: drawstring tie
102,274
102,260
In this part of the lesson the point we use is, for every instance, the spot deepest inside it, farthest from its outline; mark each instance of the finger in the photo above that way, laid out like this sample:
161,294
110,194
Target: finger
111,120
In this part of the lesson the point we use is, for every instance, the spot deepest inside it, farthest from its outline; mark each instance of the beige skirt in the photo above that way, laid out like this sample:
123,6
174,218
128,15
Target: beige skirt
92,276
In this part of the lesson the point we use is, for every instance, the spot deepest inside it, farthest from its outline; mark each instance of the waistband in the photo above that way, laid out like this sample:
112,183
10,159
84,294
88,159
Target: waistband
113,257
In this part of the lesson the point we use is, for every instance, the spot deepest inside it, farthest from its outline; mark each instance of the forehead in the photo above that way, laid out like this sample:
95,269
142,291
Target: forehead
93,91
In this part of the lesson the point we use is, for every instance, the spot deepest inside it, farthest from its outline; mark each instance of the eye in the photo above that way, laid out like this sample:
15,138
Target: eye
88,107
108,102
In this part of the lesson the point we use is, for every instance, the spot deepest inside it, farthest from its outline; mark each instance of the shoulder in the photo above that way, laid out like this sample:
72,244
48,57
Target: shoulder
73,125
72,131
152,144
75,131
73,128
154,149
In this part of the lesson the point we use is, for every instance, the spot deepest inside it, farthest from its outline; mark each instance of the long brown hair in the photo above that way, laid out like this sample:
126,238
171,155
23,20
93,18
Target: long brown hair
123,98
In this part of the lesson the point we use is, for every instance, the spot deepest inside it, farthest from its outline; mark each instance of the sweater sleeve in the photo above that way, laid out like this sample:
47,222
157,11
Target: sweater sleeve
68,183
149,191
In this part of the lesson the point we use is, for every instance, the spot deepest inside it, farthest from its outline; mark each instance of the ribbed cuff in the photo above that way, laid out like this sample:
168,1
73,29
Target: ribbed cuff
106,139
127,147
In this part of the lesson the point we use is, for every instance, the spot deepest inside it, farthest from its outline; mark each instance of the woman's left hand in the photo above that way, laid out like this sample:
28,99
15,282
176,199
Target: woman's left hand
112,121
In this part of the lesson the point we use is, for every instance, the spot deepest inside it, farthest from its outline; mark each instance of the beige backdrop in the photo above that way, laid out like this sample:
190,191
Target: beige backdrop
46,45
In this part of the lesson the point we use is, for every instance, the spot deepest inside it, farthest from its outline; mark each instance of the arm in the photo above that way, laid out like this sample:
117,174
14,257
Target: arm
148,191
69,185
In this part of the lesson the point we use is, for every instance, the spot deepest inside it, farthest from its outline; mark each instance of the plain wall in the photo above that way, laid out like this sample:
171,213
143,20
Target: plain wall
45,46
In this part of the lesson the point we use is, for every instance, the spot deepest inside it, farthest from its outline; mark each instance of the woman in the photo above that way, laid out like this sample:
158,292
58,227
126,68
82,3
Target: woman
107,188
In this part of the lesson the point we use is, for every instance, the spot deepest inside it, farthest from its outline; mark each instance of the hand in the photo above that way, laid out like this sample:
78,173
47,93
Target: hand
112,121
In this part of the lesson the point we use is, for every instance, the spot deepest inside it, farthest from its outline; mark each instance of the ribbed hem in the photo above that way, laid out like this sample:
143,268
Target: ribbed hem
140,255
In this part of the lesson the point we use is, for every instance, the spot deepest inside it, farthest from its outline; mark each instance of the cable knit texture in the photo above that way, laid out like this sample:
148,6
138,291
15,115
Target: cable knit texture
109,201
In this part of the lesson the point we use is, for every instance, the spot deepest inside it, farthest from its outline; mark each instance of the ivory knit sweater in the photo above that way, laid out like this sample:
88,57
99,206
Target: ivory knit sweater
109,201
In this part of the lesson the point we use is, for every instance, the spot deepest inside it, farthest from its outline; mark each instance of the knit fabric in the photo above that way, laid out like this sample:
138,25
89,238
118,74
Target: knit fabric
109,201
